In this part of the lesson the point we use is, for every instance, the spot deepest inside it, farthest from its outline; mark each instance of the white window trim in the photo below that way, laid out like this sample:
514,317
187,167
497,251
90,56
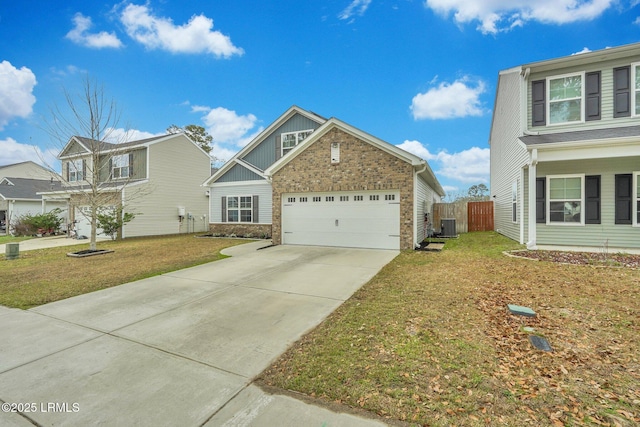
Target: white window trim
633,88
636,199
548,98
297,134
239,209
119,168
548,200
74,171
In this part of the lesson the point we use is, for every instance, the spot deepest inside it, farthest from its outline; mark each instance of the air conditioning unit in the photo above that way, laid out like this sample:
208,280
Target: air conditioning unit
448,227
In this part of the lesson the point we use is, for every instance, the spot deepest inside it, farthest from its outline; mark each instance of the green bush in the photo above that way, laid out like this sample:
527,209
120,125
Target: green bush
111,220
29,225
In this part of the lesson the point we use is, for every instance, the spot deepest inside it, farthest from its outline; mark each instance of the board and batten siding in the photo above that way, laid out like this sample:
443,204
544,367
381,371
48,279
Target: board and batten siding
425,198
239,173
606,97
606,234
261,189
508,154
264,155
177,168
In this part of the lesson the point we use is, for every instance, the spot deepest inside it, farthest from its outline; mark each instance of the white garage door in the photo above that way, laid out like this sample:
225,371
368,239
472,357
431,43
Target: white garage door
367,219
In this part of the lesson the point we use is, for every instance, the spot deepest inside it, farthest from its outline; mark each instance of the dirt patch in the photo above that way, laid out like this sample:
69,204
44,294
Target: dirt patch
581,258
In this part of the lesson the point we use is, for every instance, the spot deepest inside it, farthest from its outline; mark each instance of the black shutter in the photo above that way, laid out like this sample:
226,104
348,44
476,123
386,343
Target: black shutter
130,164
541,202
68,168
592,195
278,147
538,103
84,170
254,205
623,198
224,209
622,92
593,96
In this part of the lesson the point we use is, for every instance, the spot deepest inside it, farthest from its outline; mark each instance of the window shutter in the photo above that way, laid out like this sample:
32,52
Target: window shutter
593,96
592,194
622,92
68,168
130,164
254,215
278,147
623,198
224,209
541,202
110,168
84,169
538,101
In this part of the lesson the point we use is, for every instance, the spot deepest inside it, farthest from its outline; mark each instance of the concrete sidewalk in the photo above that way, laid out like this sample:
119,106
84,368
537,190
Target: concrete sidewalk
45,242
181,348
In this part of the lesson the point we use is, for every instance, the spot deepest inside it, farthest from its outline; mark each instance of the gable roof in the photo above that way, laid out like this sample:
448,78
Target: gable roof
88,144
26,189
420,165
237,158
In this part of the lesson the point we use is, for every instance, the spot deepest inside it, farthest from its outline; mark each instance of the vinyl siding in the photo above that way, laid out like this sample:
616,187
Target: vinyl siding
425,198
260,189
508,155
177,168
592,235
606,92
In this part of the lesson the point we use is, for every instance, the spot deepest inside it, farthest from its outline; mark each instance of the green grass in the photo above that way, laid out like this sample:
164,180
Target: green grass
429,341
41,276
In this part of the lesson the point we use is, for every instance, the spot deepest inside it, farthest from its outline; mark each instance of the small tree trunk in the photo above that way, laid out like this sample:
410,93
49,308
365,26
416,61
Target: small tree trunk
94,226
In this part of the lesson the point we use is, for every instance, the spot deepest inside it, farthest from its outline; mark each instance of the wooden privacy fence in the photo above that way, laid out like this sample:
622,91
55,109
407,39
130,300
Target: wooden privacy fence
469,216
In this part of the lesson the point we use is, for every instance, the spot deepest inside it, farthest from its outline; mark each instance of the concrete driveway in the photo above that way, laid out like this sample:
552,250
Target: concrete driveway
181,348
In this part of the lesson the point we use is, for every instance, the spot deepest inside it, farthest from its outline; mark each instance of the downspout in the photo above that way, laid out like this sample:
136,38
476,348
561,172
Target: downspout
533,163
416,217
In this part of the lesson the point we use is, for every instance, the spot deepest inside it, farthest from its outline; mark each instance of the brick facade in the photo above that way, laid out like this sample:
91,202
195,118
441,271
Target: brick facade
362,167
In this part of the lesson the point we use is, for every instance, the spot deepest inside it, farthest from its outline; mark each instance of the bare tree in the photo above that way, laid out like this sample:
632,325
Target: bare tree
91,117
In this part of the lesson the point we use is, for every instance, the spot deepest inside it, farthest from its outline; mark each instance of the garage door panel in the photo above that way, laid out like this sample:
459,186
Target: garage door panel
349,222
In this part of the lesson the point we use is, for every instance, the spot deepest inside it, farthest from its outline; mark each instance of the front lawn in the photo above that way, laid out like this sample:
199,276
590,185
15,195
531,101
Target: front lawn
46,275
429,341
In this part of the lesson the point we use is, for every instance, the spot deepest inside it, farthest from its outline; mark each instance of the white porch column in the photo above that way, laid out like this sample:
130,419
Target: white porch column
531,243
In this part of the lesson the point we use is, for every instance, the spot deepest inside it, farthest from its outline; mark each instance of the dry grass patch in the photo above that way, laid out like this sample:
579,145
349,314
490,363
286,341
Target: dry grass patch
42,276
429,341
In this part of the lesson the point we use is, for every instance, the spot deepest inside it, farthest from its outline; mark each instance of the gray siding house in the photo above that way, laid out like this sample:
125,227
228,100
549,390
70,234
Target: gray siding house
565,152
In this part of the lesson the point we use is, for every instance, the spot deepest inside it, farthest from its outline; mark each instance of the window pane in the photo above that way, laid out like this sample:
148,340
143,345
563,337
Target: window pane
245,202
573,188
303,135
232,202
564,211
232,216
289,140
565,111
245,215
565,88
637,77
637,102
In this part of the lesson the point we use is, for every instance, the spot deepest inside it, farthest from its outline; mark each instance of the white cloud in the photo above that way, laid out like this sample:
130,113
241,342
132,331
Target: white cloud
356,7
449,100
120,135
503,15
16,92
226,126
11,151
221,153
470,166
79,34
161,33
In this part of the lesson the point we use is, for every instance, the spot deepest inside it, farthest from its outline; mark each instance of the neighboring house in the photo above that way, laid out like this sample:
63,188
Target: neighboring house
28,169
324,182
19,196
565,151
158,179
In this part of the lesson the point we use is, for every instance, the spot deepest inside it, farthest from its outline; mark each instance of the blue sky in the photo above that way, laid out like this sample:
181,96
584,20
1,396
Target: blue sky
420,74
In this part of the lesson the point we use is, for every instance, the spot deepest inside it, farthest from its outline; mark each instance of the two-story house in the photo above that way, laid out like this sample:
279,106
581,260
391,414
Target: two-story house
308,180
158,179
565,151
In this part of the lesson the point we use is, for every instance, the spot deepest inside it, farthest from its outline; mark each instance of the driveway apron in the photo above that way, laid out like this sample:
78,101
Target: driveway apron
181,348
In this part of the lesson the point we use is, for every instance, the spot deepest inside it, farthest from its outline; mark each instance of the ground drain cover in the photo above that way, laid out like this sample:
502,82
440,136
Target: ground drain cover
540,343
521,311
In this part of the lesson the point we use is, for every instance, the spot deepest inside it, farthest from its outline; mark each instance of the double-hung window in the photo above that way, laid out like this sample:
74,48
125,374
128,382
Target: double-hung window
120,166
565,201
291,139
565,98
239,209
75,170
